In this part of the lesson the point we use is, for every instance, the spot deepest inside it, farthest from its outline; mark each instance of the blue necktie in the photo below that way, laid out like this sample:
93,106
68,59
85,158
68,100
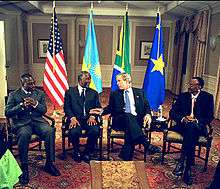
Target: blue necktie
127,102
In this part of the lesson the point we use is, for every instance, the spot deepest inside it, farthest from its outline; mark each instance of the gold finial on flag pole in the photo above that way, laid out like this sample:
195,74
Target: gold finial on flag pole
126,8
158,9
91,5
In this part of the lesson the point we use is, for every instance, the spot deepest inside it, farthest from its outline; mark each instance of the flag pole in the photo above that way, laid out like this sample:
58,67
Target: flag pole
158,54
91,6
54,5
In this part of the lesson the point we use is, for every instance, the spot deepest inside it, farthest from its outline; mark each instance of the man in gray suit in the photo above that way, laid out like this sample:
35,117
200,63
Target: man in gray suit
25,107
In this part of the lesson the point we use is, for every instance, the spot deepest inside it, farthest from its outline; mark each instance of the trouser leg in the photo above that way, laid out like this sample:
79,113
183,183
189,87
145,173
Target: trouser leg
190,137
47,134
23,137
92,134
74,135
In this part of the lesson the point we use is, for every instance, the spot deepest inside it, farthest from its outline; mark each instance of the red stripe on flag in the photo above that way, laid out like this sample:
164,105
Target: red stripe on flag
53,84
56,75
60,65
49,94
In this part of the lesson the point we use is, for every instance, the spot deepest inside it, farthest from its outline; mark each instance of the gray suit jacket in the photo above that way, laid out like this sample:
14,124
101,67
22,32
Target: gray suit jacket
23,116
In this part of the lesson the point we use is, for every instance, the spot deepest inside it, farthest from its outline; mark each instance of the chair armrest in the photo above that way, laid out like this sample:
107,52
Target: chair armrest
109,123
49,119
64,125
99,120
210,130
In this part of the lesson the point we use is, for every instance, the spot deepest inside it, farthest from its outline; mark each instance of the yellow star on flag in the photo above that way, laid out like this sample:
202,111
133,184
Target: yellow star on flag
158,64
158,26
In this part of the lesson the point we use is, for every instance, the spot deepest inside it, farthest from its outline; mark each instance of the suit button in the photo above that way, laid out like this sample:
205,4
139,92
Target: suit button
30,113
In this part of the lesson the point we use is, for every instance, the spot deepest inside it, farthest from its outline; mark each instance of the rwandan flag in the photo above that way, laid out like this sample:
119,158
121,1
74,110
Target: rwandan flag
91,57
154,81
122,59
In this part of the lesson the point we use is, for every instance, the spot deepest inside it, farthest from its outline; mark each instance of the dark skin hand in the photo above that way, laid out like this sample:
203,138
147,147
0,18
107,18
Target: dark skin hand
29,102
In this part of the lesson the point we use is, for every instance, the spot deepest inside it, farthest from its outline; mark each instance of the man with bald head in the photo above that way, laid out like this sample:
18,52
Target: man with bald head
25,107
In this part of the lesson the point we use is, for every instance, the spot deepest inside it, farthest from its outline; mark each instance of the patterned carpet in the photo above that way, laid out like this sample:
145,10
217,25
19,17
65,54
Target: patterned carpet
78,175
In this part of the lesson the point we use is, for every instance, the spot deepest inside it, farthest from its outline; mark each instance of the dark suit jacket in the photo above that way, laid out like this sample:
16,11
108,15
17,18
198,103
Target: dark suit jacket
22,116
117,105
203,109
73,105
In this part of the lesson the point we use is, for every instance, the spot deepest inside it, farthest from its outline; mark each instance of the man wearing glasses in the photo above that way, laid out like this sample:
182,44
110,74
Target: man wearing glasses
25,107
192,111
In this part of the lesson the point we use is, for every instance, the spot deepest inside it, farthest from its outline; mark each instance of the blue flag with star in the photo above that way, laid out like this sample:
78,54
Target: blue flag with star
154,80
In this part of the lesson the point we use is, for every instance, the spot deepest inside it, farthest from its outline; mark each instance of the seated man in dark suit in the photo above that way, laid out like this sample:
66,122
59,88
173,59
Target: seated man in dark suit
26,106
129,109
192,111
78,102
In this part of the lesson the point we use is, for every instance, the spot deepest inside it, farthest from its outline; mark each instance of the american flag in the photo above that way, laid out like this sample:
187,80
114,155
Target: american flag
55,76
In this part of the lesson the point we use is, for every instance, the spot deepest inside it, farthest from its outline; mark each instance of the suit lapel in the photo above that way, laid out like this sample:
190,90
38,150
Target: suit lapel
22,94
136,96
120,97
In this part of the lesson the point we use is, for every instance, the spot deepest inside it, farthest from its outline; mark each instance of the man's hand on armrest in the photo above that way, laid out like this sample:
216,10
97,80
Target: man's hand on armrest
73,122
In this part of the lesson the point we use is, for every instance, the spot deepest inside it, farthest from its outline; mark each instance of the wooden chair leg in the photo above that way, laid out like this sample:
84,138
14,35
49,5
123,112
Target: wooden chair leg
163,152
145,155
108,147
149,137
112,141
206,158
63,147
199,151
100,146
40,145
168,149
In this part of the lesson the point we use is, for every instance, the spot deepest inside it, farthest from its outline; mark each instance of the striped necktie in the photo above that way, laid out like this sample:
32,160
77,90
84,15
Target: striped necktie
127,102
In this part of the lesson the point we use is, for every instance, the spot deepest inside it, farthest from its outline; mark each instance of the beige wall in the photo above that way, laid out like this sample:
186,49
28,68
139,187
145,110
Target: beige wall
76,26
3,91
213,54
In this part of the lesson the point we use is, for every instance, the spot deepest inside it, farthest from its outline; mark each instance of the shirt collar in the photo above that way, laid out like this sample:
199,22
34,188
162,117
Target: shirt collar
195,96
129,89
80,88
25,91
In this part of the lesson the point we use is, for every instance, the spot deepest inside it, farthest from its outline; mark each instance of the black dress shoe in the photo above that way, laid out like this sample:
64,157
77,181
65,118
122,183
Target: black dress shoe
76,157
187,176
24,178
178,171
51,169
86,158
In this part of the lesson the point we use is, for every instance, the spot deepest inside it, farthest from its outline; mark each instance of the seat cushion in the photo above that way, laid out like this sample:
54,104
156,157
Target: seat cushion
173,136
117,134
34,138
